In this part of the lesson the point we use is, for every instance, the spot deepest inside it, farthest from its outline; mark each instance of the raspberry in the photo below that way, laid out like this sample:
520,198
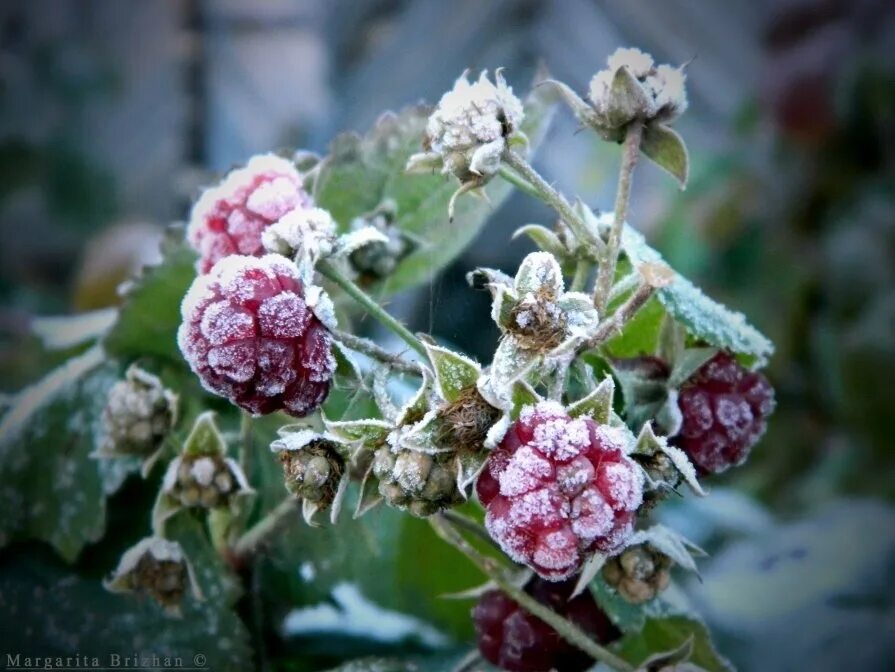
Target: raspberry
230,217
250,336
725,408
558,489
514,640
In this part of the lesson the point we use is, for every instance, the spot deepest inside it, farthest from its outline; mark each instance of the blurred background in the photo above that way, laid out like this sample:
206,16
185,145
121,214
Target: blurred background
115,114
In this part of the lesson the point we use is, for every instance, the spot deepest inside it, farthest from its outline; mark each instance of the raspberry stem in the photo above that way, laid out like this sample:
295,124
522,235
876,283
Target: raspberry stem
367,347
543,190
567,630
332,273
606,272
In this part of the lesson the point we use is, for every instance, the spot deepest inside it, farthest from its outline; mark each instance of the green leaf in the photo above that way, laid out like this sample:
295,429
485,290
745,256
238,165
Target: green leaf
49,488
704,318
640,334
148,321
362,172
453,372
667,150
48,610
597,404
667,634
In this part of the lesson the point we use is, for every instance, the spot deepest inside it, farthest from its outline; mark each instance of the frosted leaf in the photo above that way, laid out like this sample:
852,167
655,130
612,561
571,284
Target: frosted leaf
669,542
321,305
703,317
454,373
598,404
524,472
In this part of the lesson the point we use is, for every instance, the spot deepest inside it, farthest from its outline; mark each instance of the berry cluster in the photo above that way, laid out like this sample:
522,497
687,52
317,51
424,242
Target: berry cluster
250,336
725,408
514,640
558,489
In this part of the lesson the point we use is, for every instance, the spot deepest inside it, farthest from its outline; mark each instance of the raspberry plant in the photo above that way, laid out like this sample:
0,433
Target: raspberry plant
236,363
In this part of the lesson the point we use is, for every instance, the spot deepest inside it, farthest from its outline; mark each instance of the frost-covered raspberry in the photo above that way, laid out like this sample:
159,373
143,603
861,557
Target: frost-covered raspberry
725,408
251,336
514,640
558,489
229,218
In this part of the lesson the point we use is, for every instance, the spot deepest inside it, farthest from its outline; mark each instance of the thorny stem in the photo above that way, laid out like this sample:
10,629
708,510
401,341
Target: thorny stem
606,272
567,630
367,347
543,190
262,531
359,295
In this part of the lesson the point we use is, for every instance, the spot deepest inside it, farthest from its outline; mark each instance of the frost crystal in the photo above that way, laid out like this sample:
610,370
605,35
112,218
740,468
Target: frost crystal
231,217
557,491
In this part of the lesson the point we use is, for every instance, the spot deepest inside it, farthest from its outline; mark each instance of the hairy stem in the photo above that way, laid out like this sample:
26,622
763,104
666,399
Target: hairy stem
613,325
543,190
606,272
367,347
566,629
262,531
331,272
582,271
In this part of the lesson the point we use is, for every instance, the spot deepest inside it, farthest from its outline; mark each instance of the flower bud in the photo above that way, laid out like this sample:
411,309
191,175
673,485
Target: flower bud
632,87
204,481
314,472
138,415
417,482
639,573
471,125
156,567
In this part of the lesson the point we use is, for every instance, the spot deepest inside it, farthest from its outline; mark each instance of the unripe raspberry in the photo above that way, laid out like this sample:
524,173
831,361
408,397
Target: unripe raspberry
230,217
558,489
420,483
250,335
203,481
514,640
156,567
314,472
138,415
725,408
639,573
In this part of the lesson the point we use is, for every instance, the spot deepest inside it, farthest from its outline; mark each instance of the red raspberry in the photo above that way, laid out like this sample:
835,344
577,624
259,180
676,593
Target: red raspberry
558,489
725,407
229,218
250,336
512,639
